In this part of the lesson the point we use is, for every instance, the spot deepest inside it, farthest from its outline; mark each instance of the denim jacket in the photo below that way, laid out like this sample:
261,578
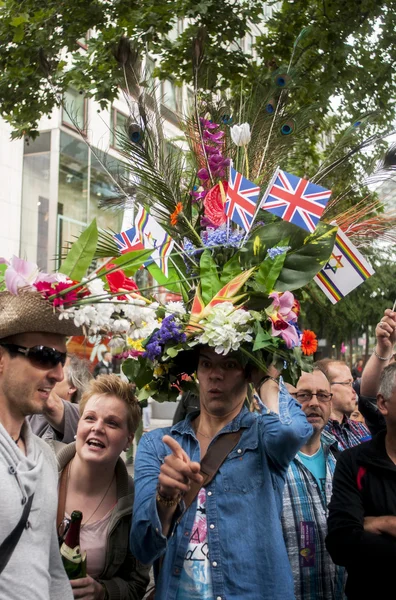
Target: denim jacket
248,556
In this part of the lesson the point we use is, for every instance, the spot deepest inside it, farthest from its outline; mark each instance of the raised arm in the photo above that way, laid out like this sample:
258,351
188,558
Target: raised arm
284,425
385,332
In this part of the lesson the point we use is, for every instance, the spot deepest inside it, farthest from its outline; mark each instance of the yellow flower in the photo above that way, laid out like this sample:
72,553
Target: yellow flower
256,245
160,370
135,344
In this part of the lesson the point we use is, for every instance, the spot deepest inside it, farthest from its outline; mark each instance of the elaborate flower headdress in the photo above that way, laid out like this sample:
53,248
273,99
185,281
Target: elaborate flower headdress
217,222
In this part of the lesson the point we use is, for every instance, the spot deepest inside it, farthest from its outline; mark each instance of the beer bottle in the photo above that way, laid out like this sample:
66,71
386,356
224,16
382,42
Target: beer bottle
73,559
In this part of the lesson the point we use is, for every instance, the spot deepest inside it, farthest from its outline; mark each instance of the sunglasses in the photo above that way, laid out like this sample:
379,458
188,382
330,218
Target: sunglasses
41,357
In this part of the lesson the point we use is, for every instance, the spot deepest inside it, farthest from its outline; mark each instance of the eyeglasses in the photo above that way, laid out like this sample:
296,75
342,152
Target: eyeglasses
307,396
41,357
348,383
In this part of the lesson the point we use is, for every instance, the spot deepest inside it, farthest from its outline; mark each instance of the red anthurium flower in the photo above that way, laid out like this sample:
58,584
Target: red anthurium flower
119,282
214,206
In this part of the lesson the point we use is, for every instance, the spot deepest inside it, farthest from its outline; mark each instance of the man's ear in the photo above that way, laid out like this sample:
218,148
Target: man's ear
72,391
381,403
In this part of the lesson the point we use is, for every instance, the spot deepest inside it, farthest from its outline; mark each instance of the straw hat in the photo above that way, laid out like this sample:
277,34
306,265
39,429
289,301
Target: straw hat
30,312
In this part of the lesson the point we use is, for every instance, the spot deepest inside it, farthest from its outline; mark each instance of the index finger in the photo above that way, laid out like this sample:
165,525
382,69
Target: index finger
175,447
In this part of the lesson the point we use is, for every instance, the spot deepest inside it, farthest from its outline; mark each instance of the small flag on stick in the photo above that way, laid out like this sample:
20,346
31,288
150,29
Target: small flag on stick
154,236
295,200
128,241
241,200
345,270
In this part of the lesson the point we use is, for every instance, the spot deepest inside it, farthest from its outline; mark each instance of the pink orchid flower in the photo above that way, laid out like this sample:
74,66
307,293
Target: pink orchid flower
282,316
23,273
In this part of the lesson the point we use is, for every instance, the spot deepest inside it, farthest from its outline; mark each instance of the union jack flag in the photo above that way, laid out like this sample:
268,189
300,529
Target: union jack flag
128,240
295,200
241,200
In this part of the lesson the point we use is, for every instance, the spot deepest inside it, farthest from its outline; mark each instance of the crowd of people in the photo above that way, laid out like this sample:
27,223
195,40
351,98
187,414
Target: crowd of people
289,496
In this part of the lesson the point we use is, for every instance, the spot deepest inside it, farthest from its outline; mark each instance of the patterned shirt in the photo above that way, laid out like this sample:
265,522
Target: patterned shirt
348,433
195,580
304,522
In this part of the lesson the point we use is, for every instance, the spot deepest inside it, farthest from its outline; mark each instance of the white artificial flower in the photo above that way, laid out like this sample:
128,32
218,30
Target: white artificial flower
96,287
226,328
175,308
240,134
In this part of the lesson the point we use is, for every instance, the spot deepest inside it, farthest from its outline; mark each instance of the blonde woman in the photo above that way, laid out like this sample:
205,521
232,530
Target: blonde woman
95,481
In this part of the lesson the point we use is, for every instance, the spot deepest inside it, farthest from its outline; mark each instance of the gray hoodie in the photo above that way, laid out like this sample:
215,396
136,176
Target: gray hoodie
35,569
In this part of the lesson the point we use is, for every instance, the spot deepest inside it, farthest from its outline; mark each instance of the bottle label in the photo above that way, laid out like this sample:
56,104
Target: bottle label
72,554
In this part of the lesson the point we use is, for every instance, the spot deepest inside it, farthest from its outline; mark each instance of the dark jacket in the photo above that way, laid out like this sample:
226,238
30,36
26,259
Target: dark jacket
102,369
372,416
188,403
364,485
124,577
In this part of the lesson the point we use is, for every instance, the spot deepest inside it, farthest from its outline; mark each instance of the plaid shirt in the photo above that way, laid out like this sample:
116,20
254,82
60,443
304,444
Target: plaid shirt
348,433
305,507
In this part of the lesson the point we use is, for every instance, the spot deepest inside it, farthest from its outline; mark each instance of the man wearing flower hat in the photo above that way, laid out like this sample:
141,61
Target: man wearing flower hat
229,543
32,355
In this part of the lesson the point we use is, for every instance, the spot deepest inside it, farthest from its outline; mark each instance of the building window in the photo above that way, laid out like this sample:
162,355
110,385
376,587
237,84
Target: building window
169,95
118,129
35,201
103,189
74,110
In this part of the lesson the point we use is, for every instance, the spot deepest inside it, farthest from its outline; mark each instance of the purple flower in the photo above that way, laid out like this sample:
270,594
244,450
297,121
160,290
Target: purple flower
207,124
203,174
213,137
277,250
170,332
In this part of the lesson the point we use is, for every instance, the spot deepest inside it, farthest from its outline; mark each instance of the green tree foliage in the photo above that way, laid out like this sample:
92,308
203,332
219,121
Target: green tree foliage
35,36
348,49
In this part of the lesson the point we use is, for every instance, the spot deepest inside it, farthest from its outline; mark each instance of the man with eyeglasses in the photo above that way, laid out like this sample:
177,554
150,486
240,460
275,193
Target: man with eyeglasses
306,495
32,356
348,433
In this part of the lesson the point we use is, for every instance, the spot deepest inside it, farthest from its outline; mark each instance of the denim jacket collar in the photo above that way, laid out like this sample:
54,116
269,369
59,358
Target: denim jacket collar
243,419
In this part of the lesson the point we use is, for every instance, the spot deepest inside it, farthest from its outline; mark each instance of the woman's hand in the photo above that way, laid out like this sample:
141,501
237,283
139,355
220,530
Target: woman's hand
87,588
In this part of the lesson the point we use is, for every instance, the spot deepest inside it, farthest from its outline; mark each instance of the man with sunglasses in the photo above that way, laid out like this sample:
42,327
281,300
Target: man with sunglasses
348,433
32,356
306,495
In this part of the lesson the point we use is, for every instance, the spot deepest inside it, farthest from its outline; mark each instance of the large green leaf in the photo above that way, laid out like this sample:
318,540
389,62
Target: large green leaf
131,261
301,265
173,282
270,269
308,253
81,254
231,269
210,282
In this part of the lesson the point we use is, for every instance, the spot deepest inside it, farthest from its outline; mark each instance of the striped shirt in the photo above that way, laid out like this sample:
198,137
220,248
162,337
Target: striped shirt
304,522
348,433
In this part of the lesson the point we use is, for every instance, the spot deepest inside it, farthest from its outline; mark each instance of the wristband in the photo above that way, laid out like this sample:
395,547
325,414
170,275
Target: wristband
383,357
165,500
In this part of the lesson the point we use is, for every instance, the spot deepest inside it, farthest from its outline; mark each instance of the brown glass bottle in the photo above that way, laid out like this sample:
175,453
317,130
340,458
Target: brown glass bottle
73,559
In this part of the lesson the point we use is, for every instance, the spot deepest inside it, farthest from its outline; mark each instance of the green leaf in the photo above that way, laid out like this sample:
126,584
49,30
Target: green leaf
270,269
308,253
231,269
172,352
263,339
132,261
210,282
130,368
81,254
172,282
17,21
19,34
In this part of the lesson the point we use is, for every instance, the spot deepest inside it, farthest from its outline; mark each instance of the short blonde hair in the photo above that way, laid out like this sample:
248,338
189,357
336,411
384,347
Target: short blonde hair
111,385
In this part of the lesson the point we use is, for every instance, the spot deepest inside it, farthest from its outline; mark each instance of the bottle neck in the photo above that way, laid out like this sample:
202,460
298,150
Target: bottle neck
73,534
